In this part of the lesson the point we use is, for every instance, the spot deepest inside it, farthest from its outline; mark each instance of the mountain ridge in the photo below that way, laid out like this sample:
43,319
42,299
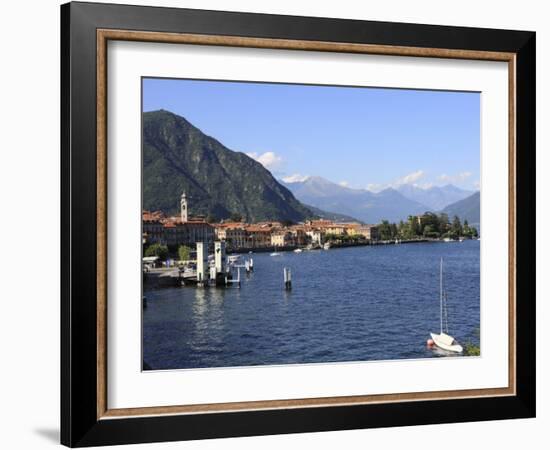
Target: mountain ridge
435,197
219,182
367,206
467,208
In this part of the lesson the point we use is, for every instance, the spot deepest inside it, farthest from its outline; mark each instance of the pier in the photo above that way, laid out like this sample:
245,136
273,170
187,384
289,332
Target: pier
215,270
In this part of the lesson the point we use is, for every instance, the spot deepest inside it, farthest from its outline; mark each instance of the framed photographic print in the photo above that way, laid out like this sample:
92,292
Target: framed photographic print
276,224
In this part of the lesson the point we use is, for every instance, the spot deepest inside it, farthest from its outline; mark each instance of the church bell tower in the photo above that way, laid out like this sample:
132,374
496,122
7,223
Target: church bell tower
183,205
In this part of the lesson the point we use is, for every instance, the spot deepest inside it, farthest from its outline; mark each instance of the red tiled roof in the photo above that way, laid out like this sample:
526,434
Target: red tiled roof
150,216
197,222
233,225
257,229
174,221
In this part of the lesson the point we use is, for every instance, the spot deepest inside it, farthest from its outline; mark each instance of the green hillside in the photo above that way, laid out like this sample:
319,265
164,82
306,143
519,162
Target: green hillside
219,182
467,208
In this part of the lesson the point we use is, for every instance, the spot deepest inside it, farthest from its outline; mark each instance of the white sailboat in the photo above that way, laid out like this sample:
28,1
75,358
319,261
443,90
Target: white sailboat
443,340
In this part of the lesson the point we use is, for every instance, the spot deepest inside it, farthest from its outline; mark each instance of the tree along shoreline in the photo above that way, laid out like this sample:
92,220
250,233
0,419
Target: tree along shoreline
164,253
425,228
429,225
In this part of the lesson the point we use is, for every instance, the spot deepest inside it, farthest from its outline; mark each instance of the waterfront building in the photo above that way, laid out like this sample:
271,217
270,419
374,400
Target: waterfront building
150,262
352,228
420,220
233,233
152,227
236,237
299,235
320,223
258,236
175,233
315,236
327,226
369,232
282,239
336,228
198,230
176,230
219,231
271,225
178,233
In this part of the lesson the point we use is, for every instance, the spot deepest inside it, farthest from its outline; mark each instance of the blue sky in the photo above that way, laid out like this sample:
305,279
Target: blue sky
358,137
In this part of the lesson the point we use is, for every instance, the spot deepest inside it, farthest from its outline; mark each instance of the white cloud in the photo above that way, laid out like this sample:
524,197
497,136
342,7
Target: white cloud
376,187
344,183
410,178
270,160
413,179
458,178
425,185
295,178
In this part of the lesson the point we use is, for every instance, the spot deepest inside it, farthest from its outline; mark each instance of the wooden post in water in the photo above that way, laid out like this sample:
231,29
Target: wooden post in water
287,276
213,275
202,263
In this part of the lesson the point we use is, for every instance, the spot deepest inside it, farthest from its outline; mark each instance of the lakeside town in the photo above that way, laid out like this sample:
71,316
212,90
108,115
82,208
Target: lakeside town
272,224
178,235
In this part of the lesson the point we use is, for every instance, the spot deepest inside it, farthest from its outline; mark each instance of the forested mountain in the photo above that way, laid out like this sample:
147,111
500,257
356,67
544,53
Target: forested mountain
467,208
219,182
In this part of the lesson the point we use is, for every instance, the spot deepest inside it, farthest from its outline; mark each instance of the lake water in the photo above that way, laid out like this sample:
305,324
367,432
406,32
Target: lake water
349,304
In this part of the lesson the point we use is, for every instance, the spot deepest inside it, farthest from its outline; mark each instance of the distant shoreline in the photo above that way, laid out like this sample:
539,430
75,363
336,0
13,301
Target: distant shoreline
290,248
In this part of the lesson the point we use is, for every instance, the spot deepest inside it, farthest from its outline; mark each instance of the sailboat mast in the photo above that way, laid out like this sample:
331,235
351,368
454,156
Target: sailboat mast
441,295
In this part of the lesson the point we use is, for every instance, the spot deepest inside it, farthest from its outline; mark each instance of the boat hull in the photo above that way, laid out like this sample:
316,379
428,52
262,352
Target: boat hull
446,342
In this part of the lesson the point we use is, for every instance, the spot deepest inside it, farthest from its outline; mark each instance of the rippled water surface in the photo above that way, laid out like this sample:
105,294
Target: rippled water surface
350,304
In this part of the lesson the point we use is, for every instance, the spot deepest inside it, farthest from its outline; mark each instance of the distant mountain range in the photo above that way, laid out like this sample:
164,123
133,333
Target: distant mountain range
367,206
327,215
219,182
468,208
389,204
436,197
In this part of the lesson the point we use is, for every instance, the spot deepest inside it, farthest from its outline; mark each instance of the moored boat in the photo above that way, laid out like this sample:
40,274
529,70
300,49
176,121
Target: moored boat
443,340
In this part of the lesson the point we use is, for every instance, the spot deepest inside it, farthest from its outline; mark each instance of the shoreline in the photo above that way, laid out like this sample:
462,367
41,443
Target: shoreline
165,277
290,248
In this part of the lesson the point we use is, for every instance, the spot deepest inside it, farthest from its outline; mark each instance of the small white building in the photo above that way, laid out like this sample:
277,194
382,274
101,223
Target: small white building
150,262
316,236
